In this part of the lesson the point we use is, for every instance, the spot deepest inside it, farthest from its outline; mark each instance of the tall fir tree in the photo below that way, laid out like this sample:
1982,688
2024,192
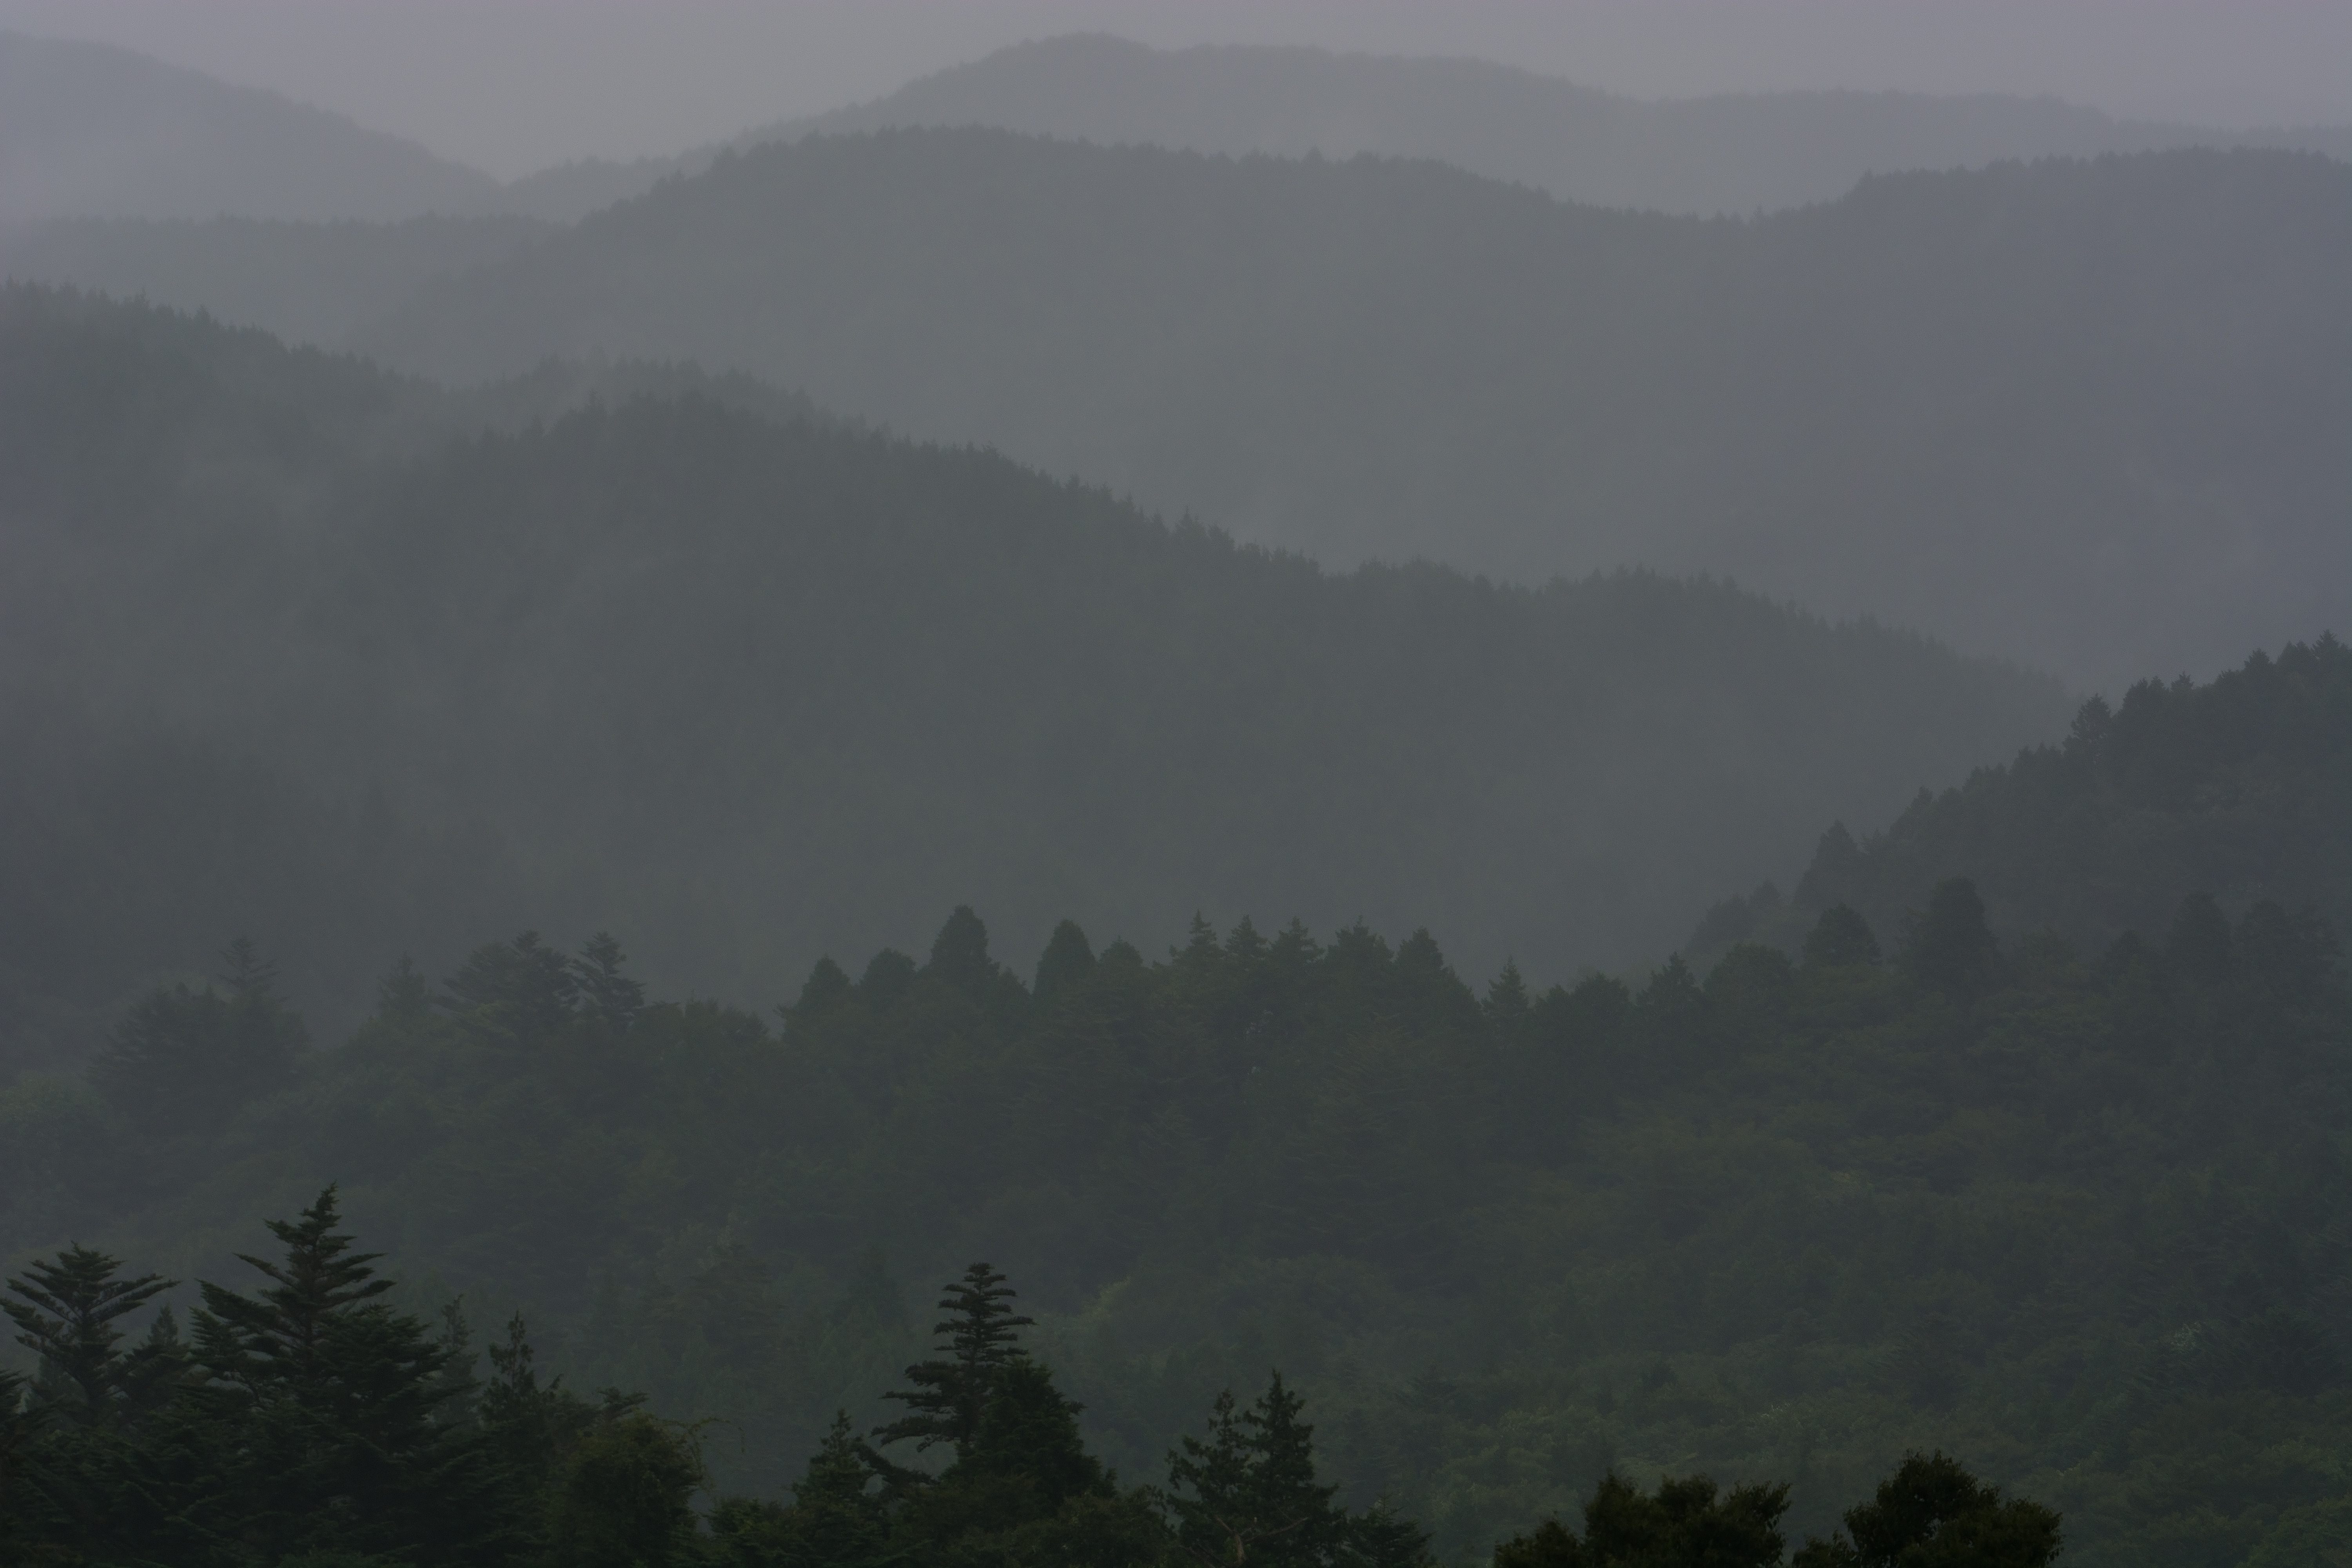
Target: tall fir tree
951,1394
67,1315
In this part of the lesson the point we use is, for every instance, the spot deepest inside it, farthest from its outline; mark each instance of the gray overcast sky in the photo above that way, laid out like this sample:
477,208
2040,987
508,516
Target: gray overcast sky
514,85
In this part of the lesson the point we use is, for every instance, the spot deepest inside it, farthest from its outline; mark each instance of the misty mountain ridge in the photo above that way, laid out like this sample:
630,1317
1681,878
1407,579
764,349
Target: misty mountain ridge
97,130
1382,360
702,673
1350,359
2235,790
94,131
1712,155
1709,155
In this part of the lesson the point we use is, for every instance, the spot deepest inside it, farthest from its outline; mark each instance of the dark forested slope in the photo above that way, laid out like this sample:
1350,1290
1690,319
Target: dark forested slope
750,685
309,282
2078,1218
2086,414
2241,788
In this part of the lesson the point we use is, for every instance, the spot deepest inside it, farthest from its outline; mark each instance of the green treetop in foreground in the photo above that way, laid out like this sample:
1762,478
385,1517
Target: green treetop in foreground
312,1425
1946,1189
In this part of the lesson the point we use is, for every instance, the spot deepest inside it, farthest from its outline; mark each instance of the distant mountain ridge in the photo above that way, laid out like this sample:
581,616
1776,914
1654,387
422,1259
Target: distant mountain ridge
1726,153
2090,414
297,647
93,130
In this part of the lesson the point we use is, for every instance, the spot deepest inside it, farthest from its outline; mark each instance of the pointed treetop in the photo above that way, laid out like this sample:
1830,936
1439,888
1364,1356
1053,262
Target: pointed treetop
828,986
281,1333
66,1317
1068,958
1244,943
244,971
959,953
1199,941
950,1397
1507,996
609,994
979,1326
402,996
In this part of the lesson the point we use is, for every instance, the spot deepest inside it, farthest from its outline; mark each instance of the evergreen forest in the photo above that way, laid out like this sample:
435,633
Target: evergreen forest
1167,808
306,652
2072,1214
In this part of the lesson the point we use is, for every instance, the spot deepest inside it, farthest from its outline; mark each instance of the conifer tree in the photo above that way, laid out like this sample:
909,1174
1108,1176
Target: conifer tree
322,1407
826,988
184,1059
960,954
402,997
836,1517
950,1395
69,1318
1507,995
1249,1495
609,993
1068,959
520,991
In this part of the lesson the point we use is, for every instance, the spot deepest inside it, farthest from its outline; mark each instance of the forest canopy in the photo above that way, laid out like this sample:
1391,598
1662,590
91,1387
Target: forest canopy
303,650
2066,1216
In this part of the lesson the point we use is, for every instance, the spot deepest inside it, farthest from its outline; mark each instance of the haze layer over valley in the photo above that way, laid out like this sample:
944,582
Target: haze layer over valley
1504,825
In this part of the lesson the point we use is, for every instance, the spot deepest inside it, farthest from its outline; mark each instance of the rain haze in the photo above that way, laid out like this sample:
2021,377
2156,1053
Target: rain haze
513,86
1187,786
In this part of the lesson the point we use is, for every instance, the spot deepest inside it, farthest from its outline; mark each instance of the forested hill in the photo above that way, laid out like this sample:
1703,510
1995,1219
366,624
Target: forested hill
754,687
1374,359
1732,153
2077,1219
2241,788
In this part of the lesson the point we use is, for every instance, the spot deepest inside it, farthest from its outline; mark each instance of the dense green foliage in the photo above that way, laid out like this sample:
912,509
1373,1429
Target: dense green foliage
2237,787
2078,1218
2086,414
2003,1159
291,652
311,1423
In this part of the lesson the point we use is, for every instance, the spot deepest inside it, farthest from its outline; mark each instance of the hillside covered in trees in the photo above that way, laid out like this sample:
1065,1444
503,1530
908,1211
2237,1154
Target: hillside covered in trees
2085,414
311,1421
1378,359
300,649
2076,1217
2239,787
1732,153
523,806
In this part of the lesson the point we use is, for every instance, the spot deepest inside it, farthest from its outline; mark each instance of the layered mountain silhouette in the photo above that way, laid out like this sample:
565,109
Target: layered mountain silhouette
2087,413
1731,153
93,130
89,130
320,654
